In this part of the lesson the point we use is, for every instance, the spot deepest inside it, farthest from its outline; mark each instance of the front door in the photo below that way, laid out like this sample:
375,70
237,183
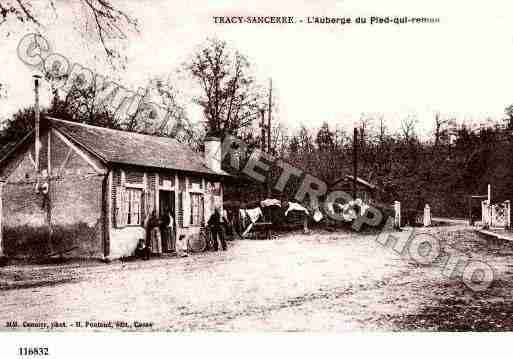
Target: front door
167,205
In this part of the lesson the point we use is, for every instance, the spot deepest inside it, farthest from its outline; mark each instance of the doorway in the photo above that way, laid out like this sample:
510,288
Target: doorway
167,203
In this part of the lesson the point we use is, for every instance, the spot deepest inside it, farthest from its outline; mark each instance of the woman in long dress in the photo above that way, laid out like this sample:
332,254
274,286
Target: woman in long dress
156,241
153,240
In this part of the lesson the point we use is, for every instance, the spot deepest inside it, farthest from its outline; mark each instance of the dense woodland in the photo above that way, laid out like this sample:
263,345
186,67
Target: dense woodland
441,169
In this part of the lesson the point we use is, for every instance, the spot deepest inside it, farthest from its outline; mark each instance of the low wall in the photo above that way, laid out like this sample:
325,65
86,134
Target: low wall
123,241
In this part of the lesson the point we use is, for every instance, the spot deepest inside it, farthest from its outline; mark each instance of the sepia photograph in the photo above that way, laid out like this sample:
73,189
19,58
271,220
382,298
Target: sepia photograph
331,167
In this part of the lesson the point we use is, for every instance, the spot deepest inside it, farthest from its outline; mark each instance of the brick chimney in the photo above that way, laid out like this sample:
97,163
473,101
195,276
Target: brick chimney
213,153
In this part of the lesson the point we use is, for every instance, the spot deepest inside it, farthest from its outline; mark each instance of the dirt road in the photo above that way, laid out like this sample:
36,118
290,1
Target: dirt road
318,282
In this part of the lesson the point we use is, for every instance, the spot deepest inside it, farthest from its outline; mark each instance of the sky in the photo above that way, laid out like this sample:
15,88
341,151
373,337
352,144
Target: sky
460,67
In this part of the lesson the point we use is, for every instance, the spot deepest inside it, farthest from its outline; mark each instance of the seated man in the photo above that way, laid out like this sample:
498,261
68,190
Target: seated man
140,250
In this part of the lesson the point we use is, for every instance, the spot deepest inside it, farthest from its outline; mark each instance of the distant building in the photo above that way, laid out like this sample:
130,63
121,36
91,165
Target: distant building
365,190
95,188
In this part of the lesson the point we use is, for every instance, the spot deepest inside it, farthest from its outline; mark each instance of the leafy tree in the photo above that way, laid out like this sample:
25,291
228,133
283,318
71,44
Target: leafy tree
230,98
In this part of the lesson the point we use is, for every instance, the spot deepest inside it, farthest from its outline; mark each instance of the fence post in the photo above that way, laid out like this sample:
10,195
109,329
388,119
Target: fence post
490,214
397,211
427,216
485,213
507,214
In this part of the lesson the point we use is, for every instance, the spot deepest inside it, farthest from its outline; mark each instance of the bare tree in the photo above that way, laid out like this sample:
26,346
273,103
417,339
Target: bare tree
163,94
339,137
382,130
365,123
176,122
408,127
107,22
82,104
279,139
230,98
440,131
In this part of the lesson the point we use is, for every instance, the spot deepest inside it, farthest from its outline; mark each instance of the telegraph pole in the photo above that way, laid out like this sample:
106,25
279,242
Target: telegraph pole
262,130
269,115
36,125
37,151
355,160
262,140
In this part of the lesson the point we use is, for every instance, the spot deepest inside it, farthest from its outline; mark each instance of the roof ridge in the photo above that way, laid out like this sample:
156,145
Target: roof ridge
108,128
125,147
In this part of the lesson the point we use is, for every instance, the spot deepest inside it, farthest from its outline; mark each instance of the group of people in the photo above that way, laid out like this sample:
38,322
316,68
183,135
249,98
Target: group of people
161,232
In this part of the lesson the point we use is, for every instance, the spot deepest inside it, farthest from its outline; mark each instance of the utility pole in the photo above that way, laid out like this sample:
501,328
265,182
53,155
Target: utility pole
262,143
36,125
37,150
269,114
262,130
355,160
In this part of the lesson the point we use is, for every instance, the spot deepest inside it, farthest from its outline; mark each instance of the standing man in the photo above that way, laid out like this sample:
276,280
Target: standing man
215,224
165,233
172,232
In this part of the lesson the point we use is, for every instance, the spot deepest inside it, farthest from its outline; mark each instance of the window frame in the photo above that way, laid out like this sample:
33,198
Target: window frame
200,215
131,190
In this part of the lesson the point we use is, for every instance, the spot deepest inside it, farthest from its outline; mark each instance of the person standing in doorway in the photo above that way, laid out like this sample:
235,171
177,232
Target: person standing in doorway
164,229
168,221
151,225
172,232
215,223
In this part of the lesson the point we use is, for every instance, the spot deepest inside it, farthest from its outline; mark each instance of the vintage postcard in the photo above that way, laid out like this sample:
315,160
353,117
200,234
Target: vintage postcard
332,166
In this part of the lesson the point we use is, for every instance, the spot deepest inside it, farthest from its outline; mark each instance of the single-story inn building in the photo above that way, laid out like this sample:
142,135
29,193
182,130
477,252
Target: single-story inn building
96,186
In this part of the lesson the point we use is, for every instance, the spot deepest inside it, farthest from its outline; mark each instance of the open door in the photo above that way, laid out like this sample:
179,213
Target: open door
167,203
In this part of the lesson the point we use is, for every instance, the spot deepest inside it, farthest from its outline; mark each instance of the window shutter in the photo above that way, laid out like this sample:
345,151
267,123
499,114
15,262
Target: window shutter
180,209
144,211
117,209
186,208
147,202
136,210
126,207
202,210
119,216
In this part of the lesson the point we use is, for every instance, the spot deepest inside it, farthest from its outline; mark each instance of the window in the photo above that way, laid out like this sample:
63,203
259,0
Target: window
128,206
134,205
196,209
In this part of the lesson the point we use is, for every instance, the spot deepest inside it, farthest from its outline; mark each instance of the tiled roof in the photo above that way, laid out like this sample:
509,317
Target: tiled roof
122,147
350,178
